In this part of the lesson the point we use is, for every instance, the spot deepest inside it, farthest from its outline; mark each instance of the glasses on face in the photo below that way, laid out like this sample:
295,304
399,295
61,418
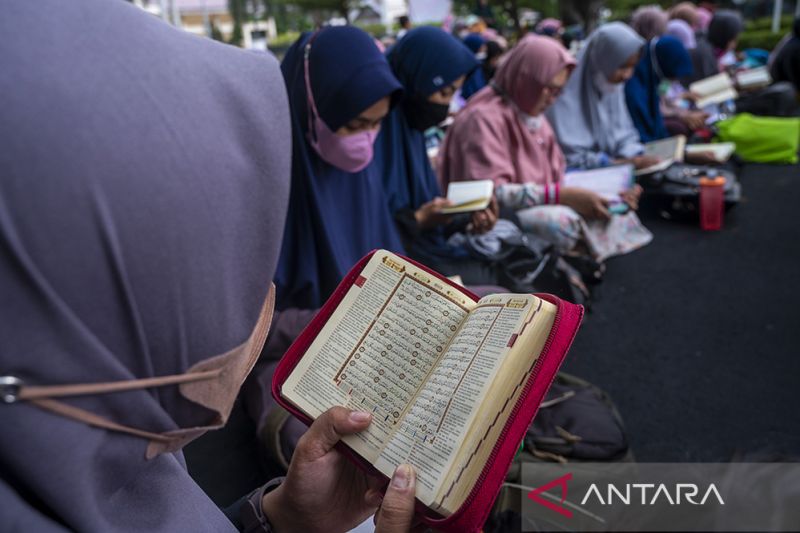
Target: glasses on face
554,90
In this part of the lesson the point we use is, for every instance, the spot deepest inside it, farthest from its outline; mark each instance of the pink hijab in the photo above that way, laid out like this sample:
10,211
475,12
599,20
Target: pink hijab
552,24
489,139
704,17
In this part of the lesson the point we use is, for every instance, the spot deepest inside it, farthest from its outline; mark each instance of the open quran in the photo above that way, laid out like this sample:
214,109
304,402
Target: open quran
713,90
669,151
452,381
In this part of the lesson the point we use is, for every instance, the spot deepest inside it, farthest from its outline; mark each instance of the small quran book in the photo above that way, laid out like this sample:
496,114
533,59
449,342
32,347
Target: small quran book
669,151
753,78
608,182
713,90
721,151
452,381
469,196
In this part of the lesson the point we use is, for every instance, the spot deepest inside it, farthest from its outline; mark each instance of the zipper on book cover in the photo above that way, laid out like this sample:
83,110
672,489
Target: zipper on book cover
525,391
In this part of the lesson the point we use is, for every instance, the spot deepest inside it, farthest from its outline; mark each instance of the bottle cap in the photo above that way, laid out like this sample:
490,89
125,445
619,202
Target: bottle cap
719,181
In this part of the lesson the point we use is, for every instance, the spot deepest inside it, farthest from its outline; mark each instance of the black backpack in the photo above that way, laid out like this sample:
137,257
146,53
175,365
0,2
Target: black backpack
576,422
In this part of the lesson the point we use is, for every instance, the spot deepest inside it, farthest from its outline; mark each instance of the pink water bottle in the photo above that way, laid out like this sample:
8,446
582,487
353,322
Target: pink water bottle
712,202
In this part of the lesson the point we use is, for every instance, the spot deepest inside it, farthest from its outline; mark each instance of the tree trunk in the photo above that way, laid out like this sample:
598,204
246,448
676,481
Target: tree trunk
515,18
585,12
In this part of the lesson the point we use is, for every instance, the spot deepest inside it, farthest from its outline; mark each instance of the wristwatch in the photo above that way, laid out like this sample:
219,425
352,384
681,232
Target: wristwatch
252,513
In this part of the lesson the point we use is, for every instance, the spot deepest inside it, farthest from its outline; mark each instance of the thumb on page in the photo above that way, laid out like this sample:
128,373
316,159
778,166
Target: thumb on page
396,514
328,429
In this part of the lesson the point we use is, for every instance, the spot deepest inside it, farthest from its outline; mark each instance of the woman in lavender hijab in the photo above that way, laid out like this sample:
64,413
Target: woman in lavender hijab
591,119
679,118
143,188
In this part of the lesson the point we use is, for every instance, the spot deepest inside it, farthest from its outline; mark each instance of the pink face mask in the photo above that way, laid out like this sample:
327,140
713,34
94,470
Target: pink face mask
350,153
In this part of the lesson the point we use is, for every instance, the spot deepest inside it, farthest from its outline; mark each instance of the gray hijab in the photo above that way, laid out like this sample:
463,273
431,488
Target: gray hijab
593,125
143,185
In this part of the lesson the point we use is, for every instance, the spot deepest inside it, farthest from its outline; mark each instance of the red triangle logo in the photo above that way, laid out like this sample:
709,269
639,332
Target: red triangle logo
562,482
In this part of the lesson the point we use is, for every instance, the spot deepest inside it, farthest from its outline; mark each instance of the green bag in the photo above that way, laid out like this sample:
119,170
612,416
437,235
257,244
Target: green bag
762,139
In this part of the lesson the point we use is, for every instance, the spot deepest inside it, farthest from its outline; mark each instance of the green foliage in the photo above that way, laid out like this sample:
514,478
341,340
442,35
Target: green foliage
759,39
285,40
237,10
294,16
216,34
622,9
758,33
765,23
339,8
376,30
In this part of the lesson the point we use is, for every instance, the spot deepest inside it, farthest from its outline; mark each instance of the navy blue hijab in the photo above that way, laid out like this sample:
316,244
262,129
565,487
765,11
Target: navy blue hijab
663,58
335,217
425,61
476,81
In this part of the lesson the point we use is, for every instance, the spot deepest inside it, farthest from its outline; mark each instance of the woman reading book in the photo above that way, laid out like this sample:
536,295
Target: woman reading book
504,136
431,65
123,268
337,213
590,118
476,80
715,47
679,118
340,88
665,59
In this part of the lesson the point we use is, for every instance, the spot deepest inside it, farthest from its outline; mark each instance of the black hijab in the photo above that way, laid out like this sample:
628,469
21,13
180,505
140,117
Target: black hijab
786,64
725,26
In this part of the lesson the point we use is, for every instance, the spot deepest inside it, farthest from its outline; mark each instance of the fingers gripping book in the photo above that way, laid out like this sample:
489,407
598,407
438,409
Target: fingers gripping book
452,381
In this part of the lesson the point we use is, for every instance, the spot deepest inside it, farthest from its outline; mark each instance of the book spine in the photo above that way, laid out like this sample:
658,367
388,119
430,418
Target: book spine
472,515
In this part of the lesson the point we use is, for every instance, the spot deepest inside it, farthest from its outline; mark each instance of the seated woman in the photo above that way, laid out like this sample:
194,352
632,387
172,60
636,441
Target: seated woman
778,99
503,136
679,118
476,80
494,53
649,21
664,59
723,35
129,269
340,88
550,27
687,12
591,119
431,65
714,50
785,62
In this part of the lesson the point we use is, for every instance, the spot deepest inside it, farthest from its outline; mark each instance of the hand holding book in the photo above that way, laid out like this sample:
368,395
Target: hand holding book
588,204
452,382
322,486
432,214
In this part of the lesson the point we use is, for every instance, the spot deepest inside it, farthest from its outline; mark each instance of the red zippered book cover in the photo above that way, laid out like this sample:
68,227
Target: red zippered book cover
473,512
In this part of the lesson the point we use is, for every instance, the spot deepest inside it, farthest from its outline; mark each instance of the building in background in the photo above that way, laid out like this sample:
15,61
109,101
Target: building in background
387,11
207,17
